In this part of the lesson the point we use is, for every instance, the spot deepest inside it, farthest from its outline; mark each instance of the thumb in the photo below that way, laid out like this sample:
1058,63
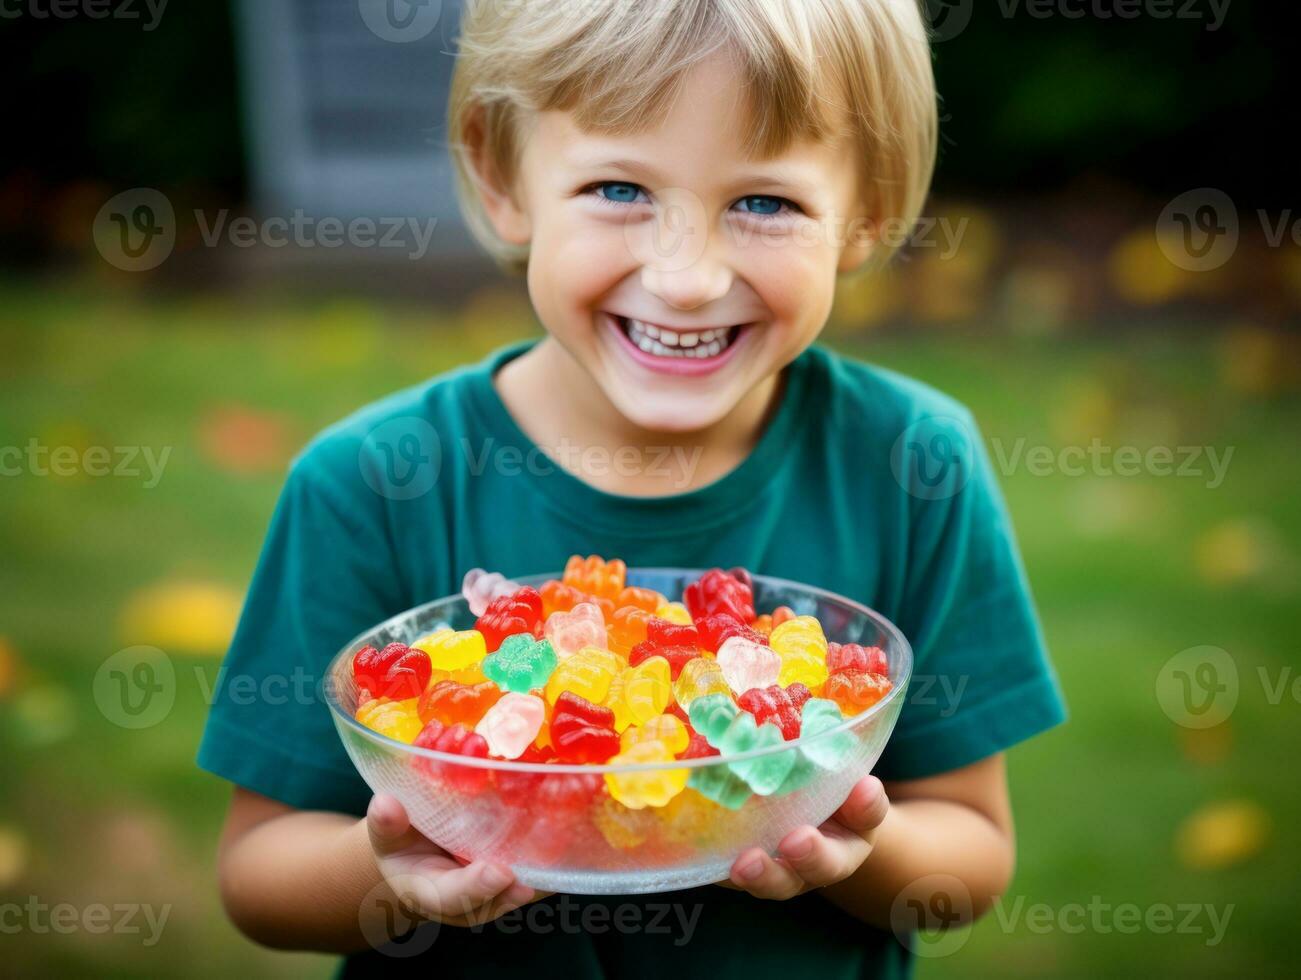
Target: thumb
388,825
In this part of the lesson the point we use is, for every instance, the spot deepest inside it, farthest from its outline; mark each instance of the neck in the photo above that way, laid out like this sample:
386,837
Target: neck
556,403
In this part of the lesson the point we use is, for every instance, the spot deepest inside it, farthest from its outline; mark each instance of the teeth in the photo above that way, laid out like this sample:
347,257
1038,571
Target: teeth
663,342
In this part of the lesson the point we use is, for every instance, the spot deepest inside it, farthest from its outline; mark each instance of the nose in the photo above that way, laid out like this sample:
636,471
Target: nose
699,283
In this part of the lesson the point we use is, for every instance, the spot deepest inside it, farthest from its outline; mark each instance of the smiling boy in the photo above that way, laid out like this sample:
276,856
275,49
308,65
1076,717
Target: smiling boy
682,182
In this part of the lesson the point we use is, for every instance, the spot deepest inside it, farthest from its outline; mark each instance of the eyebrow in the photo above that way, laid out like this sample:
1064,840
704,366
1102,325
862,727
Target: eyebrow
777,176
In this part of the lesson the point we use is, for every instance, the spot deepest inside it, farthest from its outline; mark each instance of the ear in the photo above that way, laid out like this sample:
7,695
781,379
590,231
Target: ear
860,240
508,217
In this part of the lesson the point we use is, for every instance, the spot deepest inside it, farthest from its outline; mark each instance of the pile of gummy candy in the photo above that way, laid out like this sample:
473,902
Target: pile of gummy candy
587,669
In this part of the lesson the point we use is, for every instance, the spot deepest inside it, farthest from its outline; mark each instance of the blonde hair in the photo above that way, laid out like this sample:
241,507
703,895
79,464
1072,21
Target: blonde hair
820,70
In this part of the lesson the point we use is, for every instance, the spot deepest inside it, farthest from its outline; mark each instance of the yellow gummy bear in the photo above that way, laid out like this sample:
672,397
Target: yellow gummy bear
396,719
621,827
587,673
802,647
674,612
453,649
615,702
647,689
699,676
651,787
690,818
666,730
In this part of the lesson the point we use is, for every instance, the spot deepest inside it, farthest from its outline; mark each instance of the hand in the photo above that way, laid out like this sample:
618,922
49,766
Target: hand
811,857
430,882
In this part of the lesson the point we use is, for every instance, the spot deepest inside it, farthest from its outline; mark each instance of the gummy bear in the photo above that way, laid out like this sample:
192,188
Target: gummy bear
454,703
698,747
520,664
511,725
803,651
781,614
699,676
595,576
778,705
628,628
643,788
714,629
622,827
747,664
721,785
396,719
855,690
480,587
582,731
674,612
519,612
666,633
647,600
676,656
718,592
690,818
765,773
851,656
711,714
453,650
668,730
582,626
454,740
396,672
647,689
828,751
587,673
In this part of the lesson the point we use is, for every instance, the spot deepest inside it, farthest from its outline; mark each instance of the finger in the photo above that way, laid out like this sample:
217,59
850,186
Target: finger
865,807
460,891
508,901
761,876
820,859
388,825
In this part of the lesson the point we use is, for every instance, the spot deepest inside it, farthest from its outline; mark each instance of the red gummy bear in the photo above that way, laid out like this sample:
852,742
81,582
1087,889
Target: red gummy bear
396,672
719,592
697,748
851,656
582,731
778,705
545,792
663,633
717,627
519,612
676,656
454,740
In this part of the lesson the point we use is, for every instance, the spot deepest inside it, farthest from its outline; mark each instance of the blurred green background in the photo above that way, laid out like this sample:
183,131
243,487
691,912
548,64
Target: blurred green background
1060,319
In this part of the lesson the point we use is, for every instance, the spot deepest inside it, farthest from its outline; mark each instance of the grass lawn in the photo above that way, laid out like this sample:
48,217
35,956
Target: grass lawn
1127,571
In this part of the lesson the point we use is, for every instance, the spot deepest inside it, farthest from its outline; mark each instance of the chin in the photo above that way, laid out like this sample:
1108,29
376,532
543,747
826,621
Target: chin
656,412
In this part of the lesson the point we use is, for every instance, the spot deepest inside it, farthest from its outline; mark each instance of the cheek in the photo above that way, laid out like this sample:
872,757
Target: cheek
796,281
579,260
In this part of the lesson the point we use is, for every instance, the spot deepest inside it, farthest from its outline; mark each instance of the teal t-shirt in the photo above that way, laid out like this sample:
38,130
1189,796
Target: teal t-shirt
864,482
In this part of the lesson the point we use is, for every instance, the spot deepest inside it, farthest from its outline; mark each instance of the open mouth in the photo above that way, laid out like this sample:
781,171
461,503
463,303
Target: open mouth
683,344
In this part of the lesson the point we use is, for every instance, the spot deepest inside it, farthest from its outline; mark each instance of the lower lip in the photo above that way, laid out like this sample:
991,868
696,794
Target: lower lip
682,366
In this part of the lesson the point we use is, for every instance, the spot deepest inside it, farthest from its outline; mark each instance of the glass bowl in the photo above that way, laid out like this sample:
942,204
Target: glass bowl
557,827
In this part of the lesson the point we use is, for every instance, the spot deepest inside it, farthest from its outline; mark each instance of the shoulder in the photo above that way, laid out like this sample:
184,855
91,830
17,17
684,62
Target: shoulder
394,446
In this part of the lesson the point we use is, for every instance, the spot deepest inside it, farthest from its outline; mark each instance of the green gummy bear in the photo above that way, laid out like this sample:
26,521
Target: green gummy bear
721,785
765,774
828,751
520,664
711,714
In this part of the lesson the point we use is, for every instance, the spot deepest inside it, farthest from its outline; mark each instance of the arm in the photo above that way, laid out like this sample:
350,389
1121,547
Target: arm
298,879
873,849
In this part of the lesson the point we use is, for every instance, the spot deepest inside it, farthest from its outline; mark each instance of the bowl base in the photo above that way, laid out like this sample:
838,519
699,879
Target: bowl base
577,881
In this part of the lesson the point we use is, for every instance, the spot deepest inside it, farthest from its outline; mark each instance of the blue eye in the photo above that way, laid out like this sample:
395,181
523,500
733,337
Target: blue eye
615,192
762,204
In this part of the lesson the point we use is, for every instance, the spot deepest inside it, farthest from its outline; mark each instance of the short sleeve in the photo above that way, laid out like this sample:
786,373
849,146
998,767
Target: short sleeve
325,574
981,679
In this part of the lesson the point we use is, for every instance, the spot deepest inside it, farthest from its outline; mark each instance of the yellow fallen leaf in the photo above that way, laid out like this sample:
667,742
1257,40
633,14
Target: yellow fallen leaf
182,617
1222,834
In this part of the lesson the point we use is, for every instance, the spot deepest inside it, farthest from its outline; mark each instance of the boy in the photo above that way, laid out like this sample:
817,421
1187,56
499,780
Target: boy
682,181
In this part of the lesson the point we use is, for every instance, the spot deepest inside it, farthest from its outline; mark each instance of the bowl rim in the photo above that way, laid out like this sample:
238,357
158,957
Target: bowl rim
345,719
